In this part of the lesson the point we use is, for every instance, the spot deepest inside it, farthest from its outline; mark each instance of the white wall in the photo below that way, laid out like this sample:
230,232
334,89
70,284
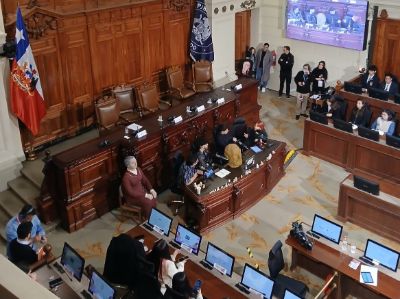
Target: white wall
342,64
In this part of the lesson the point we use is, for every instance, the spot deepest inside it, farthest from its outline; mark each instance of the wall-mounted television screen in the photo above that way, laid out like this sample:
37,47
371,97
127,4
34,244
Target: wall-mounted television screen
340,23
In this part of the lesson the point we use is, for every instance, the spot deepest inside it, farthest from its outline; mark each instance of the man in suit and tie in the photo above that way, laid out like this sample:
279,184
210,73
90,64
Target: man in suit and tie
370,78
389,85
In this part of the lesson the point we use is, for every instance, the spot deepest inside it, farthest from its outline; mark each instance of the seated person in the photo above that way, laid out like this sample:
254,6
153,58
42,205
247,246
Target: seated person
310,16
27,214
360,115
256,135
223,137
164,263
20,249
234,155
136,188
385,123
201,149
331,108
188,170
389,85
181,288
370,79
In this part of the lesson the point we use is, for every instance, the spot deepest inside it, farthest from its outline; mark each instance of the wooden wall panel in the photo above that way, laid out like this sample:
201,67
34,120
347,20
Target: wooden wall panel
242,33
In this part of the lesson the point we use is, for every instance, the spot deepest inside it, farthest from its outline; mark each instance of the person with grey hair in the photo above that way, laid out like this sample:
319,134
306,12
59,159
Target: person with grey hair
136,188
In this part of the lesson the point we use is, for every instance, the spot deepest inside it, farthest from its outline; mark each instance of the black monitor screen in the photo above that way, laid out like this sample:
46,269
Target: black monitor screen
326,229
386,257
378,94
289,295
368,133
217,256
72,261
160,221
350,87
366,185
393,141
342,125
99,288
318,117
258,281
187,238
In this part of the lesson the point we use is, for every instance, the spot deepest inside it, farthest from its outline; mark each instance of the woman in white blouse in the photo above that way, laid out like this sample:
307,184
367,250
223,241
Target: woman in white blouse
164,263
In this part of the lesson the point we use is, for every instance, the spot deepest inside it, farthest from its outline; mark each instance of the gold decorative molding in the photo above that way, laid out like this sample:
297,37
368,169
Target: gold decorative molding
38,23
248,4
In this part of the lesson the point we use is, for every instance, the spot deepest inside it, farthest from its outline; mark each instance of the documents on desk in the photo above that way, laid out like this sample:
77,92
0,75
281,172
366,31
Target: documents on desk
222,173
374,273
178,119
354,264
134,127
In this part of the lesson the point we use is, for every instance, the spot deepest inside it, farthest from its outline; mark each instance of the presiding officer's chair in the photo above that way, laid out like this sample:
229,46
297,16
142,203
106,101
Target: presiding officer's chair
149,99
202,76
125,97
177,86
282,282
107,113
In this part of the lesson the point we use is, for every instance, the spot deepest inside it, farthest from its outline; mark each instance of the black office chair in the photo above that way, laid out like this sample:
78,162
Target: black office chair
177,181
172,294
239,127
148,287
282,282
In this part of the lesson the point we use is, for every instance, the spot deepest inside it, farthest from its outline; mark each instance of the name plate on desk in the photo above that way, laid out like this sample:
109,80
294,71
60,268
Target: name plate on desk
238,87
220,269
141,134
186,248
178,119
221,101
200,108
158,230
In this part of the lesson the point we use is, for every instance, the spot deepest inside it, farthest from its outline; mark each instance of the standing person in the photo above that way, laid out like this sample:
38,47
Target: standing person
251,55
263,64
319,76
286,62
303,82
136,188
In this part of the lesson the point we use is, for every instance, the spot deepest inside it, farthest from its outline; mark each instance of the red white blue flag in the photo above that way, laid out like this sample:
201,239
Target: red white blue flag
27,101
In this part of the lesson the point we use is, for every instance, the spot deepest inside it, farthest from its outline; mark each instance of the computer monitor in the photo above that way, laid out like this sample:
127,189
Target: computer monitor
396,98
393,141
187,239
386,257
100,288
351,87
366,185
72,261
368,133
160,222
289,295
378,93
217,257
318,117
342,125
256,280
326,229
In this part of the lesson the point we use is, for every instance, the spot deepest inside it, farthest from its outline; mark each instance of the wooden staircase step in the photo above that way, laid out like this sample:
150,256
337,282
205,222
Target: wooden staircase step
10,203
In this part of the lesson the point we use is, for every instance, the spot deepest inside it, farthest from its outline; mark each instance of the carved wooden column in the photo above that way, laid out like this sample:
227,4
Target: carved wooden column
11,153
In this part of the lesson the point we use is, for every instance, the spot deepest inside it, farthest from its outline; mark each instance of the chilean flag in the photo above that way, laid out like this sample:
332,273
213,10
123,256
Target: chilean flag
27,101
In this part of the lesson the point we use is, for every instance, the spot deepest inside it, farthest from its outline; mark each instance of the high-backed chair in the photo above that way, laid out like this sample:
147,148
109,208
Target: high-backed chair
107,113
125,97
282,282
177,86
202,76
149,99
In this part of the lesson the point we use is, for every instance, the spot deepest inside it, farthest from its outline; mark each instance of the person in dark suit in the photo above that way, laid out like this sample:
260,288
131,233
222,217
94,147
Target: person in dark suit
303,82
389,85
310,16
332,19
332,108
370,79
286,61
360,115
319,75
223,137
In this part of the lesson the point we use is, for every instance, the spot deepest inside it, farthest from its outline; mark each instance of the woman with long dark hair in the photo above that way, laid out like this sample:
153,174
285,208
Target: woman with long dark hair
181,288
360,115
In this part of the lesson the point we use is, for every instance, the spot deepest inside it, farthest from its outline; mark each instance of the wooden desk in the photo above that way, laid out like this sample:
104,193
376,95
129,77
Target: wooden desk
323,260
380,214
230,201
81,183
356,154
376,106
213,287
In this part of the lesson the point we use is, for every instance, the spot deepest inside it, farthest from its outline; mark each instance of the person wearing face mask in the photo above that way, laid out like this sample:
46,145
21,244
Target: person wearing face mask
360,115
384,123
303,82
319,76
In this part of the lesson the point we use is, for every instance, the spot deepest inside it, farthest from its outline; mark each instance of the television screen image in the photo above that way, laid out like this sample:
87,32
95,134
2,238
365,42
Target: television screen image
72,261
99,288
340,23
187,238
